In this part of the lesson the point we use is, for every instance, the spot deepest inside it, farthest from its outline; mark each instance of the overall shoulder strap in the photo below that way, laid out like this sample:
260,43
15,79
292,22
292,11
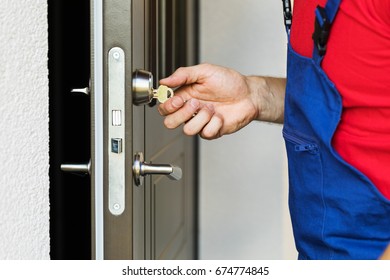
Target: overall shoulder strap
331,7
287,13
324,17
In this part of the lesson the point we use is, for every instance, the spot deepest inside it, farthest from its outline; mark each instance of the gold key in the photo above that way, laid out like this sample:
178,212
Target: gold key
163,93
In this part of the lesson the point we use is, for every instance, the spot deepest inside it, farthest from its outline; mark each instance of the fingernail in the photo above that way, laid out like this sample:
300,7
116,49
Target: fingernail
210,107
194,103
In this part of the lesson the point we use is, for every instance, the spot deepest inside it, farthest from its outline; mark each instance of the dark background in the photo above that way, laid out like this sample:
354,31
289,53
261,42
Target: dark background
69,67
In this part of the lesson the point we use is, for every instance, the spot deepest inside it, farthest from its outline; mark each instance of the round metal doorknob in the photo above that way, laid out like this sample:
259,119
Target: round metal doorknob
141,169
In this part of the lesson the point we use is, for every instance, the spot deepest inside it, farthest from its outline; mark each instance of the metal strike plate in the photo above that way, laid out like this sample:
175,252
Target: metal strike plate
116,131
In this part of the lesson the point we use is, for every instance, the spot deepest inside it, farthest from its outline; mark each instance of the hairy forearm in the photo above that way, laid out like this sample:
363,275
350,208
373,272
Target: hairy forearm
268,96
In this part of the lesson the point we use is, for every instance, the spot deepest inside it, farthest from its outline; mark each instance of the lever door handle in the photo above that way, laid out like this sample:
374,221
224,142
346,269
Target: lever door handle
81,168
85,90
141,169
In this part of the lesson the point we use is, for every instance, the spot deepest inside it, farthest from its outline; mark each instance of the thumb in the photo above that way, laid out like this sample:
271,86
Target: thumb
183,76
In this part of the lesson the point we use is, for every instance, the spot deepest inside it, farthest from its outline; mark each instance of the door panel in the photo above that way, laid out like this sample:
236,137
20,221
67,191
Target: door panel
173,202
158,220
168,199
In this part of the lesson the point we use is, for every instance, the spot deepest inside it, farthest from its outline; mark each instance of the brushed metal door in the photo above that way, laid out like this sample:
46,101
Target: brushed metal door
156,220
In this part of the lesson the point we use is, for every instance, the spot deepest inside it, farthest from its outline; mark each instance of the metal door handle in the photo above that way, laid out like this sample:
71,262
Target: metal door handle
141,169
83,168
85,90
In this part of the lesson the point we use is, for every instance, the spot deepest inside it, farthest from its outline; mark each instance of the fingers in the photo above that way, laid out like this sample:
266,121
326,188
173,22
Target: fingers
213,129
171,105
198,118
177,111
182,114
199,121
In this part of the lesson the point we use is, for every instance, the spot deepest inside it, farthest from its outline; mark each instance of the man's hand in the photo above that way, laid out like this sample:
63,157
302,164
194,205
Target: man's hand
213,101
386,254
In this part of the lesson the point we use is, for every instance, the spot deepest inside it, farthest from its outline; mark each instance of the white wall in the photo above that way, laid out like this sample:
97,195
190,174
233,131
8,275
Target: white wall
243,196
24,136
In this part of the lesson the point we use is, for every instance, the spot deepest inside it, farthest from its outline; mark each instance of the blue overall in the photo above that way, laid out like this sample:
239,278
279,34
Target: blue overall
336,211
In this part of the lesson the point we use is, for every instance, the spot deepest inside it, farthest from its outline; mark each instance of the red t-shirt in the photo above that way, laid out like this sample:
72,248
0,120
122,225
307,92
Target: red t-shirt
357,61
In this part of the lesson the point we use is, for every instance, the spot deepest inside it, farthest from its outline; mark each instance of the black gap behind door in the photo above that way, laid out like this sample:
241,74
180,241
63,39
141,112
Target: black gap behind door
69,68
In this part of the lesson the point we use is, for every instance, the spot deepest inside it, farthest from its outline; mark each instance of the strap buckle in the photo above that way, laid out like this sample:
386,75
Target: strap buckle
321,30
287,13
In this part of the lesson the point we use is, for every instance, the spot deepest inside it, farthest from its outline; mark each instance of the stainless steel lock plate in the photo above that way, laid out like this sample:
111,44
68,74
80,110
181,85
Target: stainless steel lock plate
116,131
